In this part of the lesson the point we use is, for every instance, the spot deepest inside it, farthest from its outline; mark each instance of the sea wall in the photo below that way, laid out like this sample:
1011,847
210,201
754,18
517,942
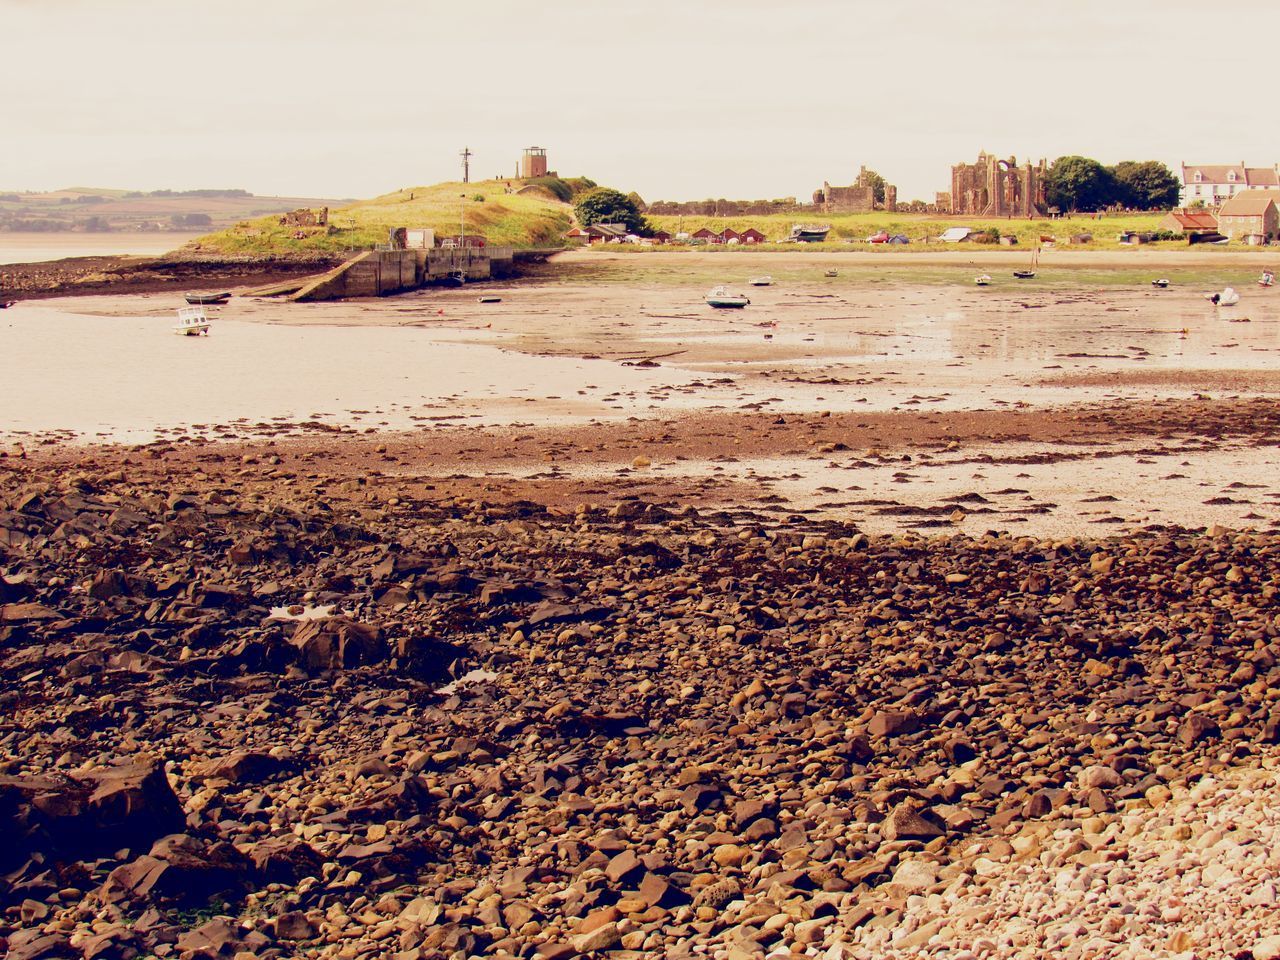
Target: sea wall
378,273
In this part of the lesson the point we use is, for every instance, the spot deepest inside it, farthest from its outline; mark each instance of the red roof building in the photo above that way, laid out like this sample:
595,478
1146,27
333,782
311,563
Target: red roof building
1190,221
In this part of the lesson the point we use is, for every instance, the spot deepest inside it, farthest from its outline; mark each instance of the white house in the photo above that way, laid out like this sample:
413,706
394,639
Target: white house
1213,184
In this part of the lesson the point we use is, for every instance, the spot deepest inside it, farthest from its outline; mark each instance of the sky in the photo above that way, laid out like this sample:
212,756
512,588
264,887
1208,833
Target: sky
675,99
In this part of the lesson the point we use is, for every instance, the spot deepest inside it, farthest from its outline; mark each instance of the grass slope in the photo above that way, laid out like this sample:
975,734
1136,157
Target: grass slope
922,227
532,220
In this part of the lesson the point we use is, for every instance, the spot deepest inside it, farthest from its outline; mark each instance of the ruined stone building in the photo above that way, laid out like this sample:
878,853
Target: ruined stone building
997,188
858,198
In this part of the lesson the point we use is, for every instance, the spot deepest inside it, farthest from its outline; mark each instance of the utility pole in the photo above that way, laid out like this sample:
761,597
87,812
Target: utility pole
466,156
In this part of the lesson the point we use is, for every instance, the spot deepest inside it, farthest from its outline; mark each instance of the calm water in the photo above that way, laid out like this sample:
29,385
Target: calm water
126,378
36,247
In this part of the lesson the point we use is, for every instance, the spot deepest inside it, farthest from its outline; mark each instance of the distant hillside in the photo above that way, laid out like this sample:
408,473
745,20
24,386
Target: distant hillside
101,209
519,213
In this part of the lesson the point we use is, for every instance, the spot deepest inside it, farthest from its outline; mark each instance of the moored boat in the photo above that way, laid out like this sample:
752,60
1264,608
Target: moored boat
207,299
806,233
761,281
983,281
192,322
721,297
454,278
1161,284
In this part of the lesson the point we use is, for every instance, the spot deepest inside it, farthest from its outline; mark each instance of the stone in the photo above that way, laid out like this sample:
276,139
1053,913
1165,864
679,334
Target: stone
905,823
601,938
337,643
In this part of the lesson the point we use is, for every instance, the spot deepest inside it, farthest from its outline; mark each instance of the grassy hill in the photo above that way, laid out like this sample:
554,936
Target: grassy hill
530,215
920,228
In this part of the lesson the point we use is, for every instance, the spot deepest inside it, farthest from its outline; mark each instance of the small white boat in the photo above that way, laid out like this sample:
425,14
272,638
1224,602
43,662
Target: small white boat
761,281
1161,284
830,273
721,297
192,322
983,281
1267,279
1227,298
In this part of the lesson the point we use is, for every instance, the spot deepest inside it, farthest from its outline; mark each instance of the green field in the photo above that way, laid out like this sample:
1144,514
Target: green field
684,267
923,229
531,220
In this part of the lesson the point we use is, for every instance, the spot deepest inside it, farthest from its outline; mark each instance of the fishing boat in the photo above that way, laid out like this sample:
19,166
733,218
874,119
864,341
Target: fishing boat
983,281
1161,284
831,273
192,322
1267,279
5,304
721,297
207,299
806,233
761,281
454,278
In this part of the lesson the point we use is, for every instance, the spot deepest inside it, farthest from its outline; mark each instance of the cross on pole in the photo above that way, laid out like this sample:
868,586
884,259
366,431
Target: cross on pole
466,156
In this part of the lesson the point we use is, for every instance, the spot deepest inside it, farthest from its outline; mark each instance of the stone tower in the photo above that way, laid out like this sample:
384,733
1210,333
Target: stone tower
533,163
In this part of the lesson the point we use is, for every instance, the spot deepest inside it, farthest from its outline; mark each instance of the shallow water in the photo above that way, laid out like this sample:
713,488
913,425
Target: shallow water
131,378
18,247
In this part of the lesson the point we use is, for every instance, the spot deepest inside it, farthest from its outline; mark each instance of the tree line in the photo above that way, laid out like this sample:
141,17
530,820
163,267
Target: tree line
1081,184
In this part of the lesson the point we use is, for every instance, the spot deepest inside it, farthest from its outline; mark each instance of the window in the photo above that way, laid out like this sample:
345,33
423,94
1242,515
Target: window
1199,176
1231,176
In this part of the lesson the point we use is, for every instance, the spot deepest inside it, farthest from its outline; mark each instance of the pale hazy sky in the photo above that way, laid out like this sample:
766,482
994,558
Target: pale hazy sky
677,99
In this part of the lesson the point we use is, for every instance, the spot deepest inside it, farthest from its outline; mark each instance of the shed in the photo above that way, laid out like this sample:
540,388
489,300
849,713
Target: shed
752,235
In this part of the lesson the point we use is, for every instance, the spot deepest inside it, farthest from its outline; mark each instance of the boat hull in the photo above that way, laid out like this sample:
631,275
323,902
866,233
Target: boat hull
728,303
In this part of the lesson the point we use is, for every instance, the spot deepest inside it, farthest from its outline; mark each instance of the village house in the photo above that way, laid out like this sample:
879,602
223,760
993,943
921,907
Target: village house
1189,222
1213,184
1251,217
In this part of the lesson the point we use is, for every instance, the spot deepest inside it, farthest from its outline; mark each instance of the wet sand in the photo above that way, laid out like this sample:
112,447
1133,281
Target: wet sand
869,370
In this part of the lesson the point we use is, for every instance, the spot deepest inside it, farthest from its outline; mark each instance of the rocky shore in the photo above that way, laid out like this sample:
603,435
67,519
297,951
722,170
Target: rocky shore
79,276
263,708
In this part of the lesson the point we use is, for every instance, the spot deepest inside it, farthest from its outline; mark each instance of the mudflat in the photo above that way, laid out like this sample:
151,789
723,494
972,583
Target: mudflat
883,618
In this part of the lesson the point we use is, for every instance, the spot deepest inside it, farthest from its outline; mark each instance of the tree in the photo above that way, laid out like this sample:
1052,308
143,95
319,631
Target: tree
869,178
1079,183
1146,184
605,205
